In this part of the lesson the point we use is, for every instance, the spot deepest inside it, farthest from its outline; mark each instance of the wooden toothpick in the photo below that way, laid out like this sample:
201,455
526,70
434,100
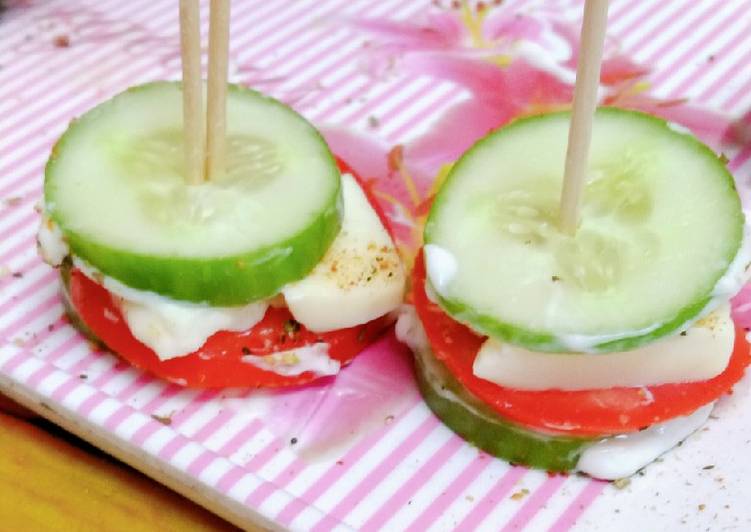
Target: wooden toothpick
216,125
585,103
190,48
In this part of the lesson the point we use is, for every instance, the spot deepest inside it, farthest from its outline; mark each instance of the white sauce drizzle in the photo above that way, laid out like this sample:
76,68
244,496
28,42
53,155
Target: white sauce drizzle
623,455
314,358
441,267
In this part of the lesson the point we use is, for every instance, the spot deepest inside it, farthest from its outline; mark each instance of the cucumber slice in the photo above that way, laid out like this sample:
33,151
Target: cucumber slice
476,423
114,184
661,224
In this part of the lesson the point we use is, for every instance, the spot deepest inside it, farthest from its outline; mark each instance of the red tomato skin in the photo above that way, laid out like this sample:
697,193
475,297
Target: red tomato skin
587,413
218,363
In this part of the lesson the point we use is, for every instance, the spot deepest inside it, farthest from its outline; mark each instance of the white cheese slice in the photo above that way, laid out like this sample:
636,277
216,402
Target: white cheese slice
702,352
359,279
623,455
292,362
173,328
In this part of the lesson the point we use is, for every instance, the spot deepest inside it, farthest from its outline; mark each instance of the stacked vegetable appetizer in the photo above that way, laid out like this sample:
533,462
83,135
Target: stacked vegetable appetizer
274,273
595,352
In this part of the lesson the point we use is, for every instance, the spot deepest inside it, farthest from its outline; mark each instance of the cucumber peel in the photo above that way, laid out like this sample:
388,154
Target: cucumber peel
661,225
114,184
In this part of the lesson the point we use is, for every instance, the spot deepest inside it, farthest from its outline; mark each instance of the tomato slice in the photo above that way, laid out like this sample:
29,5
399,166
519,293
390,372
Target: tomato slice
218,363
596,412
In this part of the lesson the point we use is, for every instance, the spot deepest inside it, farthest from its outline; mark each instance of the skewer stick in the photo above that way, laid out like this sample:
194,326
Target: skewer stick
585,103
217,88
190,48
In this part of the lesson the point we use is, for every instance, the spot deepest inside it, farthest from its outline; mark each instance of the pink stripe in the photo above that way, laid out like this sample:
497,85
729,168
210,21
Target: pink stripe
731,70
57,110
145,432
408,103
744,89
304,41
230,478
31,177
81,57
203,460
42,336
451,493
334,106
322,54
120,415
677,38
82,365
28,290
280,28
75,341
431,112
214,425
718,27
264,456
193,406
578,506
39,375
239,439
33,70
301,80
169,391
650,35
172,447
380,471
21,326
740,38
91,403
12,363
419,479
115,369
262,492
385,98
534,503
491,499
25,208
134,387
638,21
333,474
65,388
24,224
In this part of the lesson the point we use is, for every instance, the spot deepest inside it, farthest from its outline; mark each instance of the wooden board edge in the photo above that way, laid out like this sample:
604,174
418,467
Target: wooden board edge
166,474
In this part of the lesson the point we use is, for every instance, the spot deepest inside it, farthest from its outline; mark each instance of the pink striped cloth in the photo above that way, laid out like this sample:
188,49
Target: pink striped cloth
362,452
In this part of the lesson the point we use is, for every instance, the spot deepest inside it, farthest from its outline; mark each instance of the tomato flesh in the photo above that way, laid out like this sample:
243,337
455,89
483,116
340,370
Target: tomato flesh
595,412
218,363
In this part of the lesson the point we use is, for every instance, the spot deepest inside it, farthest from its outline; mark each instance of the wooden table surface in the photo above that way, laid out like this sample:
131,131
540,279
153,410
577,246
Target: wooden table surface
51,480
